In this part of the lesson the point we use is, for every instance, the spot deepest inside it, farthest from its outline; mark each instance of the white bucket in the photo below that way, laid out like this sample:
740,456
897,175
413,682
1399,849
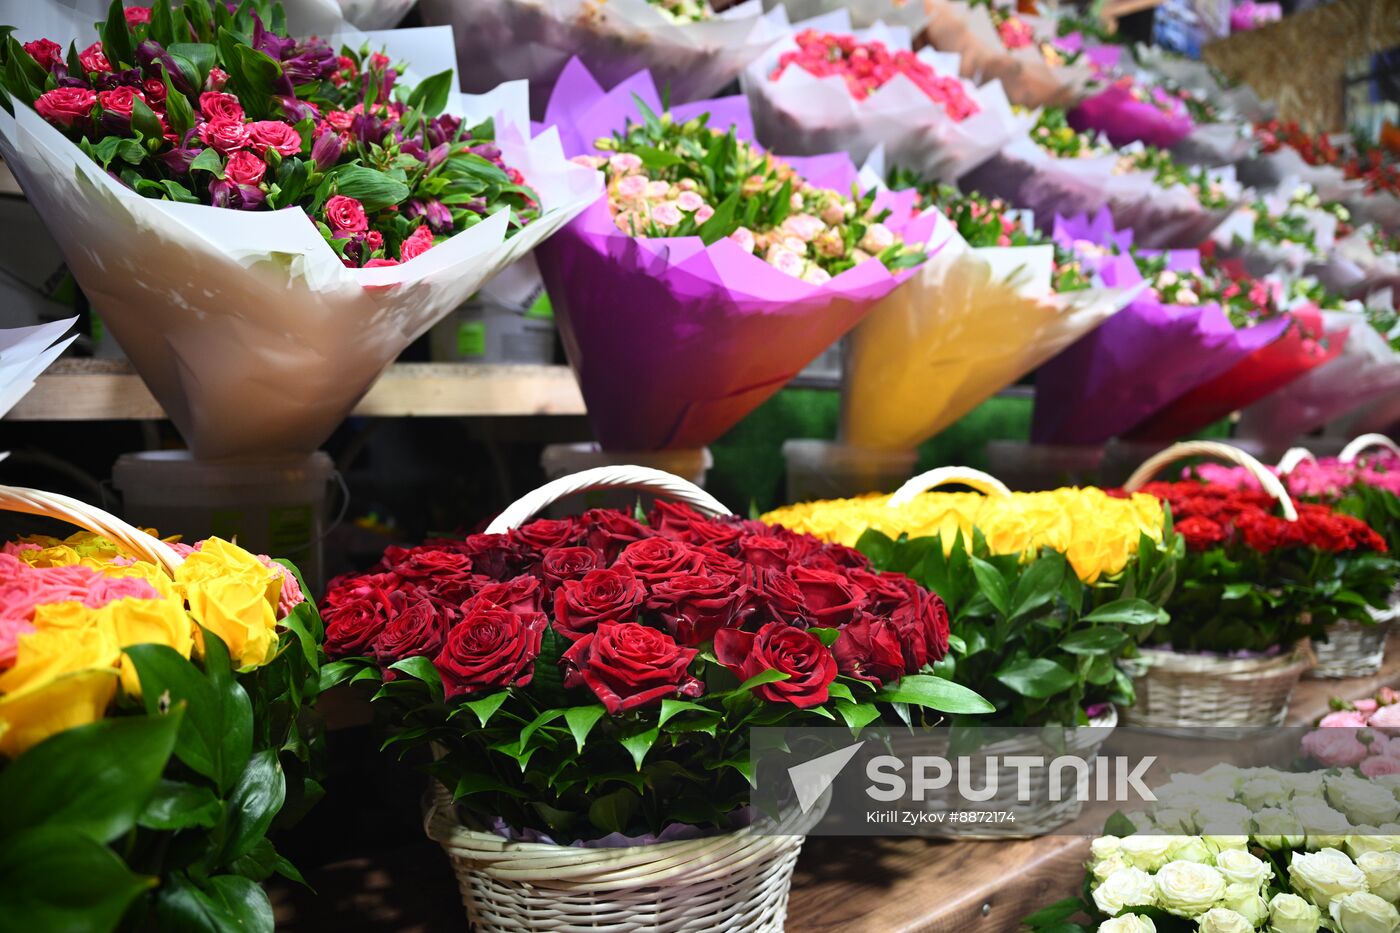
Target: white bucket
564,459
269,505
508,321
818,469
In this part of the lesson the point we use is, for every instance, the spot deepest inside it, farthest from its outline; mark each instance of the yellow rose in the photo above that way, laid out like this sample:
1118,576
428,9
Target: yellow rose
43,708
146,621
236,609
55,649
218,560
155,576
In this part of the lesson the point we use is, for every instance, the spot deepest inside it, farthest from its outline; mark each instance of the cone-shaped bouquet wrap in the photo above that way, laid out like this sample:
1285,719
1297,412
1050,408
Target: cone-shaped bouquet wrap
1283,167
1278,232
673,340
807,99
910,14
317,17
248,327
1139,360
25,352
1017,51
691,56
1128,112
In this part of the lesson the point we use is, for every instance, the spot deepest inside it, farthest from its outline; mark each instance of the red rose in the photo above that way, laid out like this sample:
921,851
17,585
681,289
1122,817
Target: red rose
922,623
418,631
568,563
340,120
609,531
345,216
137,15
224,135
831,599
842,556
244,168
45,51
545,533
795,652
418,243
65,106
492,555
712,561
445,574
155,90
1201,533
490,648
1261,531
522,595
695,606
92,58
883,591
870,649
684,523
274,134
767,551
348,586
355,620
218,106
656,559
580,606
630,666
772,597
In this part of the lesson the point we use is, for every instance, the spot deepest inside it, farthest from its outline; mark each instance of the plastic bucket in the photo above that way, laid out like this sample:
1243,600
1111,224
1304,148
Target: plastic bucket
563,459
1032,467
818,469
508,321
269,505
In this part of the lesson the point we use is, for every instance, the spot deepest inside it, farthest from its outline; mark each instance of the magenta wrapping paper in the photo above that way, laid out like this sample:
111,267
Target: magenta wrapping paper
1123,119
674,342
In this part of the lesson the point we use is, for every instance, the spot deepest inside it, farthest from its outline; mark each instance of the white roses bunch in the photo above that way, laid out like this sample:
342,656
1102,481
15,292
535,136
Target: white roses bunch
1214,881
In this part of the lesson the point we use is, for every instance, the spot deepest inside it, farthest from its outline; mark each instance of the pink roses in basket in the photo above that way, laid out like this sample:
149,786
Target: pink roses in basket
1363,734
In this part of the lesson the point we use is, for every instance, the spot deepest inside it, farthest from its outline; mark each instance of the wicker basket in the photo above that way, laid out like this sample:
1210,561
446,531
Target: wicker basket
90,518
1352,649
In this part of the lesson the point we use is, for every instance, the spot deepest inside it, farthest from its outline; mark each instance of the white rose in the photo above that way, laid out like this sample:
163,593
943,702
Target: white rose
1324,875
877,237
1188,889
1177,820
1147,852
1190,849
1244,900
1362,912
1276,830
1216,818
1127,887
1325,828
1105,847
1382,871
1304,783
1363,801
1368,839
1108,866
1240,867
1224,920
1128,923
1289,913
1389,781
1264,792
1221,843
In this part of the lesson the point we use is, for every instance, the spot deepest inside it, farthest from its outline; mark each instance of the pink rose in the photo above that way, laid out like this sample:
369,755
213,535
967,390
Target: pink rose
340,120
118,100
378,263
1334,748
418,243
274,134
1343,719
216,80
65,106
1365,707
345,216
1387,719
137,15
93,58
224,135
1387,696
217,106
155,90
45,51
110,589
244,168
1375,767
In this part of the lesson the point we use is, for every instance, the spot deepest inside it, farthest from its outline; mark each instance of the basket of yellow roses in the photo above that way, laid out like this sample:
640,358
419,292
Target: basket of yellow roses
1046,592
152,725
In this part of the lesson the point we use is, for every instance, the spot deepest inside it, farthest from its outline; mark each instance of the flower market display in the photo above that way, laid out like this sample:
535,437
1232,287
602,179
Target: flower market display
184,154
153,725
1365,745
828,254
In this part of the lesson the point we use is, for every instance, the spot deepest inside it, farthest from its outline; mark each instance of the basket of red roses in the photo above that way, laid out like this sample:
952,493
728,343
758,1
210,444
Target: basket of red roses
586,686
1252,587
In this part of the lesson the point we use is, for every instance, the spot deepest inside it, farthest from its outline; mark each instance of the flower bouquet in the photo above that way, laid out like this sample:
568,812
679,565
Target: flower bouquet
268,173
904,14
1204,81
1128,111
1287,155
1188,328
826,88
991,305
586,686
1252,586
1180,206
726,252
1281,231
152,725
994,42
692,50
1365,745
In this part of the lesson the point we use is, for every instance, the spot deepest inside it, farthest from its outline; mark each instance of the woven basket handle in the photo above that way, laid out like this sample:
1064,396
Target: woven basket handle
91,518
1294,456
606,477
982,482
1354,448
1234,455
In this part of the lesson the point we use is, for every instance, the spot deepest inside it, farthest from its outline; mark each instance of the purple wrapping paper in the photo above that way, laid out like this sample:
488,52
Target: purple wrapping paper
1139,360
1117,114
674,342
1102,57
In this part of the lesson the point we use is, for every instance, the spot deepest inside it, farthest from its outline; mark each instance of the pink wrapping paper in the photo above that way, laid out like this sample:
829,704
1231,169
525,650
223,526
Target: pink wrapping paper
1124,119
673,342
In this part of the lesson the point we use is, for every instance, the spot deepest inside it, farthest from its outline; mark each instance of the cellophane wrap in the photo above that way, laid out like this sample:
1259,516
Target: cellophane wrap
907,13
967,30
25,352
1366,369
1376,207
969,323
1214,144
316,17
1235,239
1270,170
800,114
673,341
1124,119
1352,268
246,326
502,40
1140,359
1240,101
1267,370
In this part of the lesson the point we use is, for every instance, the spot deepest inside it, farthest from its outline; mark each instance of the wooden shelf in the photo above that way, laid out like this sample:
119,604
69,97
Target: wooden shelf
101,390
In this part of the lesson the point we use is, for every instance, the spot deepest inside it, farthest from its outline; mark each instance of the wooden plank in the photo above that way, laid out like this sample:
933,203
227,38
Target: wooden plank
98,390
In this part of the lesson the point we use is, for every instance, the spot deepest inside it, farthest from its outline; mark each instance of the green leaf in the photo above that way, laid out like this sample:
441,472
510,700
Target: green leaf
432,92
770,676
1125,612
177,107
486,707
422,670
721,221
1055,913
243,900
52,878
116,38
478,783
1036,677
1094,641
209,161
162,25
226,907
177,805
202,55
857,715
613,812
1038,584
935,693
94,779
582,719
374,189
992,584
254,802
827,636
877,546
145,122
639,744
1119,825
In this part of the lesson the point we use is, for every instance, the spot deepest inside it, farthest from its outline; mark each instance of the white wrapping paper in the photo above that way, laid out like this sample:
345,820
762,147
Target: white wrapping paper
799,114
1380,208
1236,238
502,40
1271,170
1241,100
25,352
316,17
1352,268
970,323
245,325
1214,144
907,13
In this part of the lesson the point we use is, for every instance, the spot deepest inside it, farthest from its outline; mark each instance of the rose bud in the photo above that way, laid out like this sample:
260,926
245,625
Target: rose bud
326,151
870,649
46,52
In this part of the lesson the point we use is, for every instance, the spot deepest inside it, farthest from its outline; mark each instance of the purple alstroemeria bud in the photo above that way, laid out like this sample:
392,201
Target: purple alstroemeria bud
439,217
178,161
309,63
150,53
438,155
114,124
476,206
296,110
236,197
488,151
412,147
443,129
414,209
74,82
326,150
367,129
270,44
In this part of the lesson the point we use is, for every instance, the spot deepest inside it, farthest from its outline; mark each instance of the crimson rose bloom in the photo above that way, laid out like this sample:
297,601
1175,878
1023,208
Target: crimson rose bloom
695,606
686,524
1201,533
568,563
522,595
418,631
345,215
772,597
870,649
654,560
136,15
797,653
65,106
45,51
226,136
630,666
118,100
766,551
580,606
216,105
155,90
93,58
244,168
493,555
832,600
445,574
545,533
922,623
610,531
355,620
274,134
490,648
883,591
